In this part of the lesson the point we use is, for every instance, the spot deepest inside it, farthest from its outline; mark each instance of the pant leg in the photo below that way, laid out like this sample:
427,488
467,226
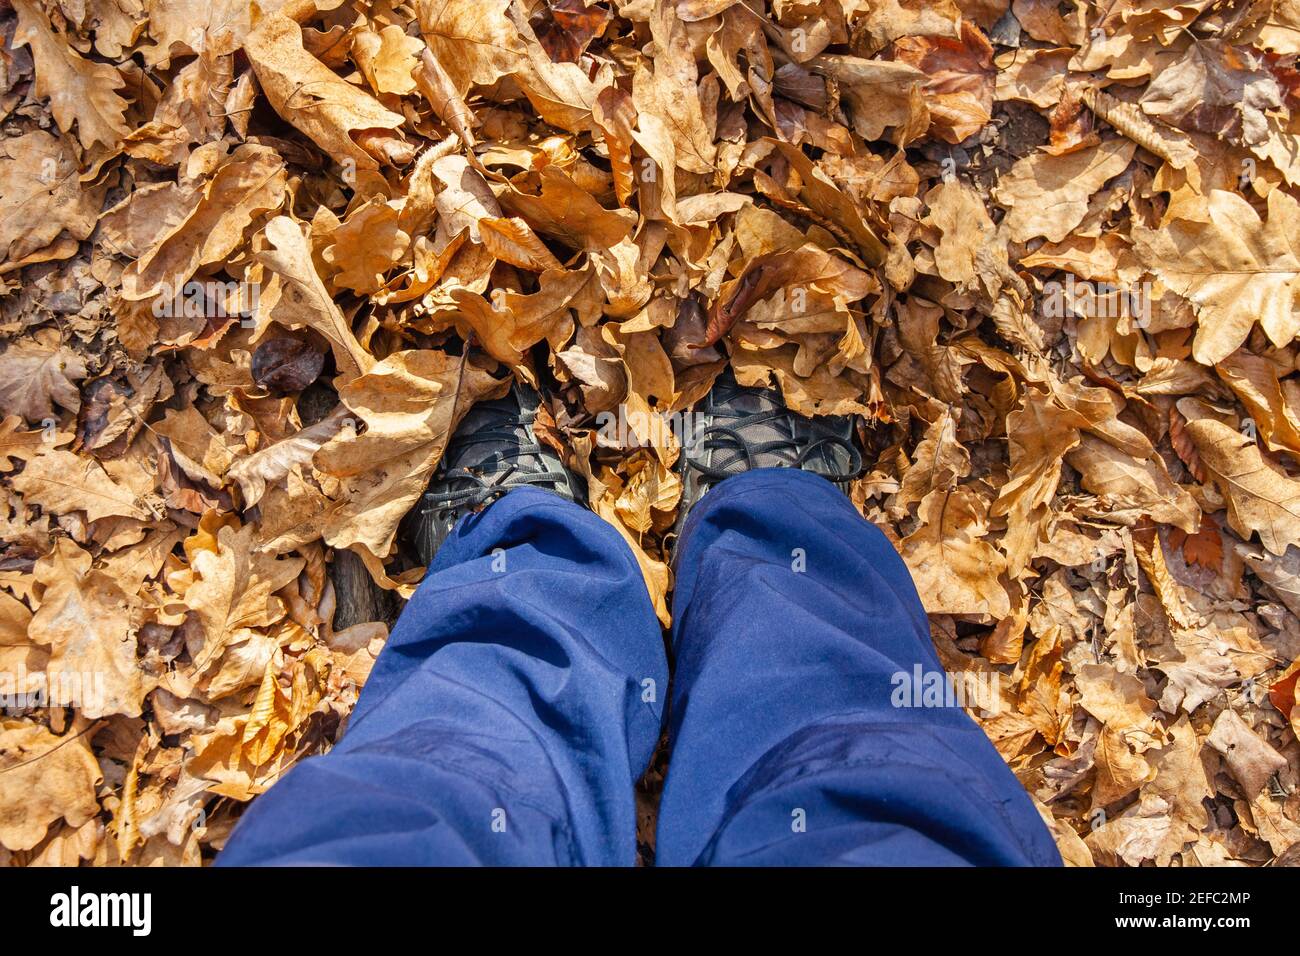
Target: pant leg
507,719
792,617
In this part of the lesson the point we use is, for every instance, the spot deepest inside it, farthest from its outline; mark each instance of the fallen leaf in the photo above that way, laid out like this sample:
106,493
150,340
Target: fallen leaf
45,779
1048,195
1235,267
233,589
410,403
61,481
1261,497
338,117
955,571
1250,760
85,621
36,375
80,91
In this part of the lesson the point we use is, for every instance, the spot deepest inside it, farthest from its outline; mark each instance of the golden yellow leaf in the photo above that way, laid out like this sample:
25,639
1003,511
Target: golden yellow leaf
956,572
43,779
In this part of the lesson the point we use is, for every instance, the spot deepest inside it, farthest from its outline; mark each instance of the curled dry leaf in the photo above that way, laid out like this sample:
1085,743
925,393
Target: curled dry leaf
342,120
1250,760
296,297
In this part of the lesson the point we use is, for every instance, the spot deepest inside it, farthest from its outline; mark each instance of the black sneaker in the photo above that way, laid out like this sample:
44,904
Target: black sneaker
493,450
735,429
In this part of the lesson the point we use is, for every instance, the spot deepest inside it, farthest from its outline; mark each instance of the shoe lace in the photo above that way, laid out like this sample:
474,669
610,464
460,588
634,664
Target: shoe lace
472,489
729,440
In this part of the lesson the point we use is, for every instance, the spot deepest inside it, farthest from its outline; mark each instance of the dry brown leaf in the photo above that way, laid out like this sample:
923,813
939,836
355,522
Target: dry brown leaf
297,298
959,79
1040,433
234,589
80,91
43,779
85,621
1132,488
1215,88
955,571
1204,548
366,247
1236,268
61,481
410,402
1250,760
474,43
341,119
938,463
1048,195
510,240
1273,403
1261,497
37,374
249,182
42,196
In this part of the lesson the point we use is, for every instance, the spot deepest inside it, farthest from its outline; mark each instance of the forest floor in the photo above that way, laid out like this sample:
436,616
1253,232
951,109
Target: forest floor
1046,250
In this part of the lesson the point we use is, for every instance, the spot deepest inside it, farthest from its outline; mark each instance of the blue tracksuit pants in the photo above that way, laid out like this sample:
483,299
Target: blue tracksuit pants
523,690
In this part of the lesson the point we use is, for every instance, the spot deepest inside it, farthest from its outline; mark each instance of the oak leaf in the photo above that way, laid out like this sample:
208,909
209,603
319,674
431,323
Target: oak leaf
234,589
1261,497
297,298
62,482
37,374
248,183
344,121
85,621
1048,195
956,572
1235,267
410,403
80,91
43,779
42,196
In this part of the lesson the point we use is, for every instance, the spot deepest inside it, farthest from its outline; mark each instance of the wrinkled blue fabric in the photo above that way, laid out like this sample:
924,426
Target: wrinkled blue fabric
521,695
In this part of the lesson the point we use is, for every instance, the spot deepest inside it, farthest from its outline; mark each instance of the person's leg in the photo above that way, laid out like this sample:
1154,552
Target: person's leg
507,719
792,617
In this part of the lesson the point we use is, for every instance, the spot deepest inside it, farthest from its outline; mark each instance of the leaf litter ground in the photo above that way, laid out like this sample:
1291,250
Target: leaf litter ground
1046,250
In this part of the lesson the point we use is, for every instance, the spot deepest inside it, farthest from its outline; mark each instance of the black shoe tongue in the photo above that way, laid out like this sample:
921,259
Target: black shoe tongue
752,402
487,414
483,436
493,449
760,418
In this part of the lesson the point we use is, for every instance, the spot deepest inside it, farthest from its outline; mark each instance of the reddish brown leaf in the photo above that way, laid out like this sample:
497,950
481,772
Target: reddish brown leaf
286,365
